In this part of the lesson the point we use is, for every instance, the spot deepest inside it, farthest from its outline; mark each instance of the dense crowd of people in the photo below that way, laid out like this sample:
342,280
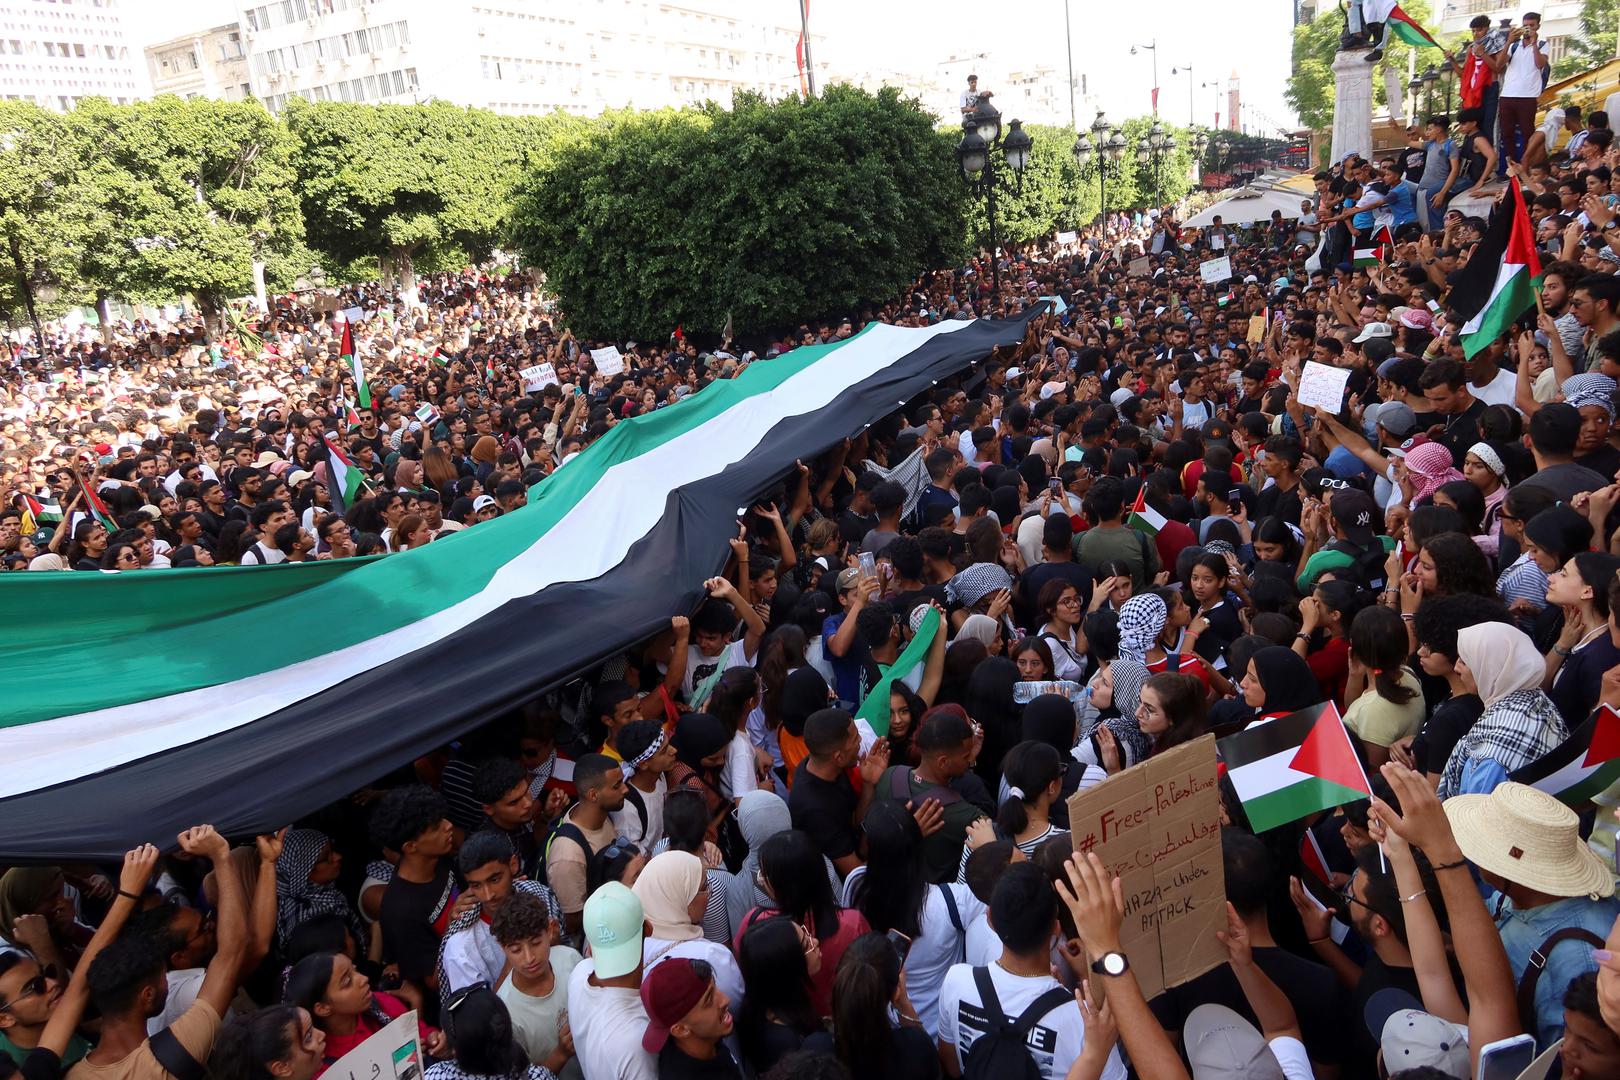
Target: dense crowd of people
695,861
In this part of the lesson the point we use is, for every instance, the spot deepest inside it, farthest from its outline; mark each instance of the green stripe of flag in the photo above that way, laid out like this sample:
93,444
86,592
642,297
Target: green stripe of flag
48,672
1296,801
1515,294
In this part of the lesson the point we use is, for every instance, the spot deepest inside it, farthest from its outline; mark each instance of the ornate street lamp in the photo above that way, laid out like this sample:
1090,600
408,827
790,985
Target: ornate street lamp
982,142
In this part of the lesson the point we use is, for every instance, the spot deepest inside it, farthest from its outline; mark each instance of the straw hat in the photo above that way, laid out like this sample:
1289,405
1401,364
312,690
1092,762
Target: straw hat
1529,838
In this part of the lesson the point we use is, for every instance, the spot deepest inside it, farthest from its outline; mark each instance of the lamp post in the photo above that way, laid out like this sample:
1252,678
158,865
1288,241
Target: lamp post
976,153
1430,76
1413,85
1106,150
1151,154
1200,143
1187,70
1154,49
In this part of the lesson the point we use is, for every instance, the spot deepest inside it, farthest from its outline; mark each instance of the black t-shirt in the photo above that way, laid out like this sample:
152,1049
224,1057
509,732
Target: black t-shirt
1316,995
1605,459
1275,502
824,809
854,527
1412,162
408,914
1461,431
912,1056
674,1064
1445,727
1375,976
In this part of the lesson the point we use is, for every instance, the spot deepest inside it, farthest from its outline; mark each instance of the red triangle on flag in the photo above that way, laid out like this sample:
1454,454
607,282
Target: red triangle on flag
1605,744
1327,753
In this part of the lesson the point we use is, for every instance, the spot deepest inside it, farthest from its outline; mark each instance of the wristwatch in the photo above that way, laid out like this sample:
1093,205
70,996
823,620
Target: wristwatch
1111,963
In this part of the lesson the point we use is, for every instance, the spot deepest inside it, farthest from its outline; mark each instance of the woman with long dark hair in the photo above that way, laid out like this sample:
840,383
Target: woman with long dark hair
866,989
892,892
792,872
340,999
1172,711
1584,651
778,958
278,1042
1384,700
990,704
486,1047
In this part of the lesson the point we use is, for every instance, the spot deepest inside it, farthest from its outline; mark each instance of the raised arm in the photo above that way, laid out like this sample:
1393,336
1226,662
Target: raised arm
1094,899
1493,1011
132,880
219,980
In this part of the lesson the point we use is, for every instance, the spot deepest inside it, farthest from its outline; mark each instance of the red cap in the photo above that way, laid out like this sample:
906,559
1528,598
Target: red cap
668,992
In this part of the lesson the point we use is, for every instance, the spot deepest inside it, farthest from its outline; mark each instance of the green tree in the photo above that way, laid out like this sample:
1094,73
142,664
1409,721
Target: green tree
1594,45
42,218
405,183
1052,193
770,211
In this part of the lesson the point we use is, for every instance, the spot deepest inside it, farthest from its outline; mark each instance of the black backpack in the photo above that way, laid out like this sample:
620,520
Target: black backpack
1002,1053
1370,563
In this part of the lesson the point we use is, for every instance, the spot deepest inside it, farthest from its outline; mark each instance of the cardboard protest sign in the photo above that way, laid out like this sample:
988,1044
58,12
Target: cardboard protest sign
1215,270
1322,385
609,361
394,1053
538,376
1158,826
1141,266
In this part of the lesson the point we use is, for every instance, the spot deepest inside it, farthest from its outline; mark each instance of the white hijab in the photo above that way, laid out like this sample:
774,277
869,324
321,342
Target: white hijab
1502,659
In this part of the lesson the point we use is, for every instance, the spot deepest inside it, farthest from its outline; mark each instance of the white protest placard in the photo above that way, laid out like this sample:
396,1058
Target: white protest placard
1141,266
539,376
354,314
1158,826
1212,271
1067,237
394,1053
609,361
1322,385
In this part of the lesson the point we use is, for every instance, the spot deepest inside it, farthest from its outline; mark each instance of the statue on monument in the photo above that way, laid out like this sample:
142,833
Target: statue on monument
1364,26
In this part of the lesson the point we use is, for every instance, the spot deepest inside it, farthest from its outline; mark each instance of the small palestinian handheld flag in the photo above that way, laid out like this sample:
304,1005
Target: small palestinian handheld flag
874,707
352,359
1294,766
1502,277
1583,765
1409,29
46,511
351,416
676,337
489,369
1376,250
346,479
98,509
1143,516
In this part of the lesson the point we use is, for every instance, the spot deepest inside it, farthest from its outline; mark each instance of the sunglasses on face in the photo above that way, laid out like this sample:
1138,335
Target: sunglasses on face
33,986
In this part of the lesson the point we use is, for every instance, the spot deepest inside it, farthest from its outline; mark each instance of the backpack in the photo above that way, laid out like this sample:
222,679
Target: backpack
1369,562
1526,991
564,829
1002,1053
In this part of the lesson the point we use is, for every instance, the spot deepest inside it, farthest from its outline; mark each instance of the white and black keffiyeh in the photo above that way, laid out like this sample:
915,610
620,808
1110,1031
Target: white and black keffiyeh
976,582
297,899
470,918
1514,731
1141,621
450,1070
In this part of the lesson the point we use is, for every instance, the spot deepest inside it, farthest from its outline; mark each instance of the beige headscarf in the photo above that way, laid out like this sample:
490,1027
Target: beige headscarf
1502,659
666,887
981,628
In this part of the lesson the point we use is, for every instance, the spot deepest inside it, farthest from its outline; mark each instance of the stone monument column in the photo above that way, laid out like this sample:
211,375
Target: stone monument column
1352,104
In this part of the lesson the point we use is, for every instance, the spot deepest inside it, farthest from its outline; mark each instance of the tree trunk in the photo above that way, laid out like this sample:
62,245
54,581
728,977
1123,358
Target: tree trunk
104,313
406,272
213,315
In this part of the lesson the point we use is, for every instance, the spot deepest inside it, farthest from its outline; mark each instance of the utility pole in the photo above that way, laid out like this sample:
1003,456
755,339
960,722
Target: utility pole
1068,40
804,32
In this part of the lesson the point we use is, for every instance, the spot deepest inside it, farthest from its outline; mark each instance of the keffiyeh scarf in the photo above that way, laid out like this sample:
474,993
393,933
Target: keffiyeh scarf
1517,729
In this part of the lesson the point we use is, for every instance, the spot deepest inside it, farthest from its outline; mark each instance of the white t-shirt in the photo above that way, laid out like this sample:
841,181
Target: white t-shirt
1292,1056
936,947
628,819
473,955
983,943
1054,1043
700,667
1522,79
607,1023
259,555
1499,391
739,777
535,1018
183,987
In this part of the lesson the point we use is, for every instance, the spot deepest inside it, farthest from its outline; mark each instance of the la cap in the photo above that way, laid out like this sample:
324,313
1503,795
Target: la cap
613,922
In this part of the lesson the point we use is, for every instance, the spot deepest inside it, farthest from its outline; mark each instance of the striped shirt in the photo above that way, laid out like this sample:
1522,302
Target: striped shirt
1523,581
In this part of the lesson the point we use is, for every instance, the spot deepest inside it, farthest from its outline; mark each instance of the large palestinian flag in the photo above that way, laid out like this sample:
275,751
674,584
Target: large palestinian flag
1502,277
246,697
1585,764
1294,766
